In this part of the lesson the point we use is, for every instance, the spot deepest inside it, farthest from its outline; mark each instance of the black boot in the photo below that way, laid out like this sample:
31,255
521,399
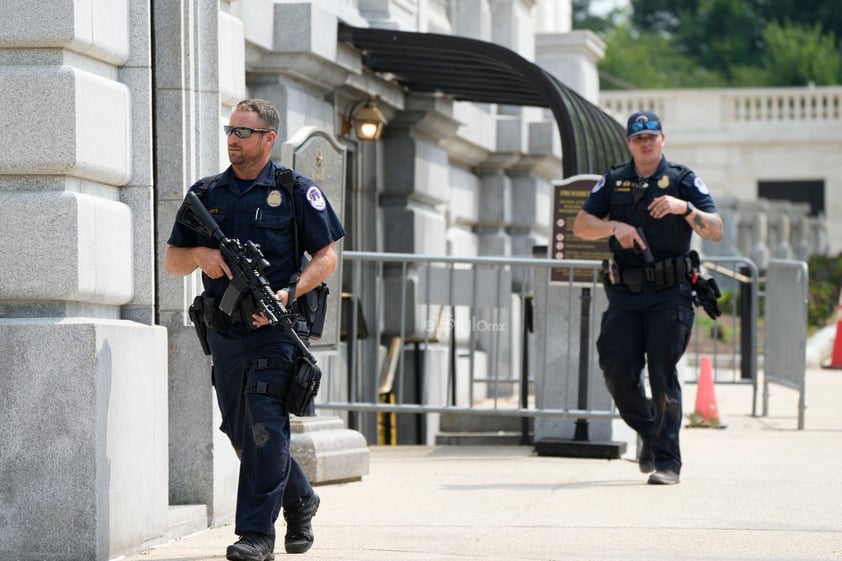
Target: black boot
252,547
299,537
646,458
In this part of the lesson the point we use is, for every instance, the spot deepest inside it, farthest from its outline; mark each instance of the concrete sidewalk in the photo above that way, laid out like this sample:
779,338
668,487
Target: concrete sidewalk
756,490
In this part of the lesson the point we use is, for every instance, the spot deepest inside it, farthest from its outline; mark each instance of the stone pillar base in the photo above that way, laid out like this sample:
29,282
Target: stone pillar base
327,451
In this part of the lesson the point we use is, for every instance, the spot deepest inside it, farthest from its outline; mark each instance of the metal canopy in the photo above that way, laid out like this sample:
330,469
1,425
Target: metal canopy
478,71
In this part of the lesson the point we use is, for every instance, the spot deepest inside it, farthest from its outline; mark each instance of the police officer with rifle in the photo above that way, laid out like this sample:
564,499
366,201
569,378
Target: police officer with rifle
649,208
248,229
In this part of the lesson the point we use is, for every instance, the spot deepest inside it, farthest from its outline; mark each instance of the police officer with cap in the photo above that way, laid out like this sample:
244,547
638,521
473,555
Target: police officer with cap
252,360
649,208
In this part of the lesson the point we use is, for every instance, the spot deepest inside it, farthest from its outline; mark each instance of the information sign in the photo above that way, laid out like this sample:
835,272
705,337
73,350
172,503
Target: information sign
568,197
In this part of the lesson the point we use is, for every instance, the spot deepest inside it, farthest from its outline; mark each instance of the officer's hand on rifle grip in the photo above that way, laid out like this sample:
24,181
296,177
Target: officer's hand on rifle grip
211,263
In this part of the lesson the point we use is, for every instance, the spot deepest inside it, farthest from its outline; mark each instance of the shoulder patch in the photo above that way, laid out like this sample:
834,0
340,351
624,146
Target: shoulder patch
700,185
599,184
316,198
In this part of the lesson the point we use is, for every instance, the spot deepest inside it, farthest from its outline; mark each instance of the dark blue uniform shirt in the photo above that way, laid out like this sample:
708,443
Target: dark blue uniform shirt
262,213
624,196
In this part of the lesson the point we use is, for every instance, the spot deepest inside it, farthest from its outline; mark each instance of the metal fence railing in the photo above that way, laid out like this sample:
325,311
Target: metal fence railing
432,335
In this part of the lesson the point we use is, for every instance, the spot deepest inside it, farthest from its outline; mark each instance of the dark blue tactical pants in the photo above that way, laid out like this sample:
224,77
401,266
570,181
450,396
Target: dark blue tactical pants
648,328
257,423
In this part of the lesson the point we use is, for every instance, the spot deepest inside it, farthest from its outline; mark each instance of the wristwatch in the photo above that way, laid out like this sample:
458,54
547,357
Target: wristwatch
690,208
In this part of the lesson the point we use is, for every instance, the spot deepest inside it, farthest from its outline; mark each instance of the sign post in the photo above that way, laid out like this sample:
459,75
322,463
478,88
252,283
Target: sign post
568,197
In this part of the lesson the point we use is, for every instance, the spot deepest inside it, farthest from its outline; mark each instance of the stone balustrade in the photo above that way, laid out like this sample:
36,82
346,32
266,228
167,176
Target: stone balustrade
722,108
765,229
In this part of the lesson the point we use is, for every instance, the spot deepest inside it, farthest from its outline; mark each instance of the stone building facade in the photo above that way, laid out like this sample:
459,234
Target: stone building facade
112,108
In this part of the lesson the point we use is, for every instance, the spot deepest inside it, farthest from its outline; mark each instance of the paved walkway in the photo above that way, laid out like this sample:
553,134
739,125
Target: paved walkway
756,490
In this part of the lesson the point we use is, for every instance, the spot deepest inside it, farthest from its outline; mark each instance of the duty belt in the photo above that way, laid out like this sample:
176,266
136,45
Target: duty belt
663,274
219,321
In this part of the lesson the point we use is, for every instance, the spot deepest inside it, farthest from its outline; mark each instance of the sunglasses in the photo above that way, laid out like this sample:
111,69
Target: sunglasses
638,126
243,132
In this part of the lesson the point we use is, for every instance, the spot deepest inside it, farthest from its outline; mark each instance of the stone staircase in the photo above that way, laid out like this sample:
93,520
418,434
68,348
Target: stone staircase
477,430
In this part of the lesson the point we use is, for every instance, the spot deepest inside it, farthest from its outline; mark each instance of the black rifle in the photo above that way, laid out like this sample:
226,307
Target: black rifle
247,264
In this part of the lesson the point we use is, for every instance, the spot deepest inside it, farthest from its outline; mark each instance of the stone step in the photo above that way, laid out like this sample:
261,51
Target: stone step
499,438
183,520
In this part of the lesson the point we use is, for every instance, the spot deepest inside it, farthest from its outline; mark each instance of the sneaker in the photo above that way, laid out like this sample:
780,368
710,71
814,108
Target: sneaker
663,477
252,547
299,537
646,458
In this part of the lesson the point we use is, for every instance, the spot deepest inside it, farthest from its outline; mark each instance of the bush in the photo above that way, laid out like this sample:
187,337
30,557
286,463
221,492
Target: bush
825,277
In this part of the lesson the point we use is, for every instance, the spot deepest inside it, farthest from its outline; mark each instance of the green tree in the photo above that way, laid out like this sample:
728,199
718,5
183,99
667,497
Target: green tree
717,43
797,54
648,61
720,34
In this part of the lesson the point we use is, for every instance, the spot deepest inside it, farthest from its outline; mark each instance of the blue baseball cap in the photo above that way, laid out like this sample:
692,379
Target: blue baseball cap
643,122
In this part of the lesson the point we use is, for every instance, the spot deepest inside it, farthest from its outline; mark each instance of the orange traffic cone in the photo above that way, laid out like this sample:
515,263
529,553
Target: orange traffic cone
705,397
836,357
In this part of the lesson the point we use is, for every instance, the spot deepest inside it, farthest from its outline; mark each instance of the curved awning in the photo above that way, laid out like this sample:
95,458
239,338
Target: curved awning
478,71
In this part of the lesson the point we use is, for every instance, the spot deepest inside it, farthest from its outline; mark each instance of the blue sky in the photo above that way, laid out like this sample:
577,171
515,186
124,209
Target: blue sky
603,6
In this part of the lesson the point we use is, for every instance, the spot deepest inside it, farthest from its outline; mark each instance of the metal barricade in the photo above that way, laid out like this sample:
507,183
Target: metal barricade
459,322
452,335
785,330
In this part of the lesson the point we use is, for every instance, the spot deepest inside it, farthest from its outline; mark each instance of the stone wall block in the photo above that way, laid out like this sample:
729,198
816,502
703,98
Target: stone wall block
80,248
414,230
300,27
416,168
83,121
87,458
495,201
510,135
96,28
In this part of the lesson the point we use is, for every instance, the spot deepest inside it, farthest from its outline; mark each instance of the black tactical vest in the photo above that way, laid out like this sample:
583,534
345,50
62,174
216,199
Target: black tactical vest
629,198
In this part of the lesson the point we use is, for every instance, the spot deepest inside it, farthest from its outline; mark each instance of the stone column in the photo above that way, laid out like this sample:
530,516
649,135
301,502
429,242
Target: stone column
202,466
759,249
572,57
415,183
495,207
83,382
415,171
512,26
553,17
472,18
779,229
800,222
